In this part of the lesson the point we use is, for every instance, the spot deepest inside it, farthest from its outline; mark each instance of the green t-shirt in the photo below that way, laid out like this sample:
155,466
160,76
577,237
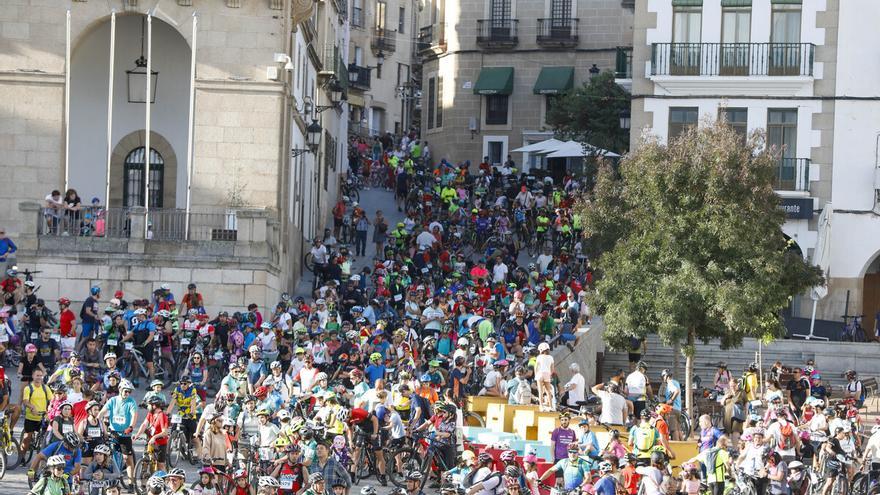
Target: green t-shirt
715,474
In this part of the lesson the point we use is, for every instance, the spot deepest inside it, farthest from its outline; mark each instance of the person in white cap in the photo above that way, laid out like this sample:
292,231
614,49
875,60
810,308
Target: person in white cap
545,368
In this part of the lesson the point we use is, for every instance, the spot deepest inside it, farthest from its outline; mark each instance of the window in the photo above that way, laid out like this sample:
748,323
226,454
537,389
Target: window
785,37
560,9
782,131
496,109
496,151
380,16
401,21
737,118
439,101
686,49
357,13
133,178
680,120
432,84
735,34
499,10
358,56
549,101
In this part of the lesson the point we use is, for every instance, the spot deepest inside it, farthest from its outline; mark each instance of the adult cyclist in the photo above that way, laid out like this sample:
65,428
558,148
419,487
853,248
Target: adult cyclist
367,424
122,411
69,451
574,470
644,439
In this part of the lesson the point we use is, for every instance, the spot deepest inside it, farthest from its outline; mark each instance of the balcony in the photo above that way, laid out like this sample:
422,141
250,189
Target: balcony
357,17
732,59
497,33
383,40
558,32
792,174
432,40
359,77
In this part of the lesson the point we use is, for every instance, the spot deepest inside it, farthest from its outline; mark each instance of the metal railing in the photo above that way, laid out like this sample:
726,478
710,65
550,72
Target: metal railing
497,31
357,17
623,65
732,59
328,60
792,174
384,40
558,31
362,81
431,36
170,225
86,222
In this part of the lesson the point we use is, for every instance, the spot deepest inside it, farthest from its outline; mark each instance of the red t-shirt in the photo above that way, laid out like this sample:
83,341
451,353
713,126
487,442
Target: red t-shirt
67,323
158,424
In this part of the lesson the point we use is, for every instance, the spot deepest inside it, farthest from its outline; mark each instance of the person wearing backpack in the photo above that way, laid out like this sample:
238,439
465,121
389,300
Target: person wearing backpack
854,389
54,482
574,471
644,438
717,463
35,402
784,436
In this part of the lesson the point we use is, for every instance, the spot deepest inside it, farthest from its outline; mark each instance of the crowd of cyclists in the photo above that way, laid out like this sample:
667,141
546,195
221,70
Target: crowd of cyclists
370,375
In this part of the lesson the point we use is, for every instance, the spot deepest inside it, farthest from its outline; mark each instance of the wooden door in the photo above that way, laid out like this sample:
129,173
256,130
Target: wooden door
870,302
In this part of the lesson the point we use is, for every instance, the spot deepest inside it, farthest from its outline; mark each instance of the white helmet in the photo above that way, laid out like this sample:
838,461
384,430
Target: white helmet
267,482
463,341
102,449
543,346
56,460
574,368
125,384
253,348
875,429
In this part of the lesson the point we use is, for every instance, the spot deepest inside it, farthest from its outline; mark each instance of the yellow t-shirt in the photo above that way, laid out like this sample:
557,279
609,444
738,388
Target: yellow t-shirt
39,397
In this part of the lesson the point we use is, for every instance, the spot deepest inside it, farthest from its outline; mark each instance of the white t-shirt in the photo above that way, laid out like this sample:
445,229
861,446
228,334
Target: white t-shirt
307,378
431,312
636,385
319,254
425,240
491,379
775,430
499,272
543,262
284,321
653,479
267,341
576,394
612,407
544,363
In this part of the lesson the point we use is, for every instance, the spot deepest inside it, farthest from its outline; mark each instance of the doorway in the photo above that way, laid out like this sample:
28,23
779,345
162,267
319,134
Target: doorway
871,297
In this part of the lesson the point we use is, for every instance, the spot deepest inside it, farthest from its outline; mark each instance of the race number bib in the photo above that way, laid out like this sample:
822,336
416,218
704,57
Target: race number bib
129,346
56,337
112,342
93,431
397,297
176,419
266,454
66,429
34,335
4,337
286,482
184,341
119,420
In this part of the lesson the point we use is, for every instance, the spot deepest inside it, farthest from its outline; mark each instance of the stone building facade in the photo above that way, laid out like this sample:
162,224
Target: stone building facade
482,62
260,79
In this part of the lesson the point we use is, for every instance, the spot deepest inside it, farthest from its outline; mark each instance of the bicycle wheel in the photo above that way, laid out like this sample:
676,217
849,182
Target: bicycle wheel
685,422
474,419
2,465
309,262
40,468
402,461
142,473
176,448
12,451
29,454
354,194
364,468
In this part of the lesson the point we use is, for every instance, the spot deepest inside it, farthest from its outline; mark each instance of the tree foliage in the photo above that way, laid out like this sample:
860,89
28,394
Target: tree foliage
689,242
591,114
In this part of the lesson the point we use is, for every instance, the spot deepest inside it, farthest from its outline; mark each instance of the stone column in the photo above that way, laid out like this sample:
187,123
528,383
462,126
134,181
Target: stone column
138,216
27,238
252,232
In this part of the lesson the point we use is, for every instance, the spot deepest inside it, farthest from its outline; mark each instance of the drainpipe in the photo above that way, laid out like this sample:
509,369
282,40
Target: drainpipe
190,129
147,138
110,107
67,104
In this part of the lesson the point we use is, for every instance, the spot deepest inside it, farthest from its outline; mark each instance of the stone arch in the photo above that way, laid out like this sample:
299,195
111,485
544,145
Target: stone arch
134,140
82,34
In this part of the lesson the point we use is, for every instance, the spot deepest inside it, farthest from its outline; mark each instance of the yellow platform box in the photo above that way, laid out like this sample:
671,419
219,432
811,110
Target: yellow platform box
499,417
478,403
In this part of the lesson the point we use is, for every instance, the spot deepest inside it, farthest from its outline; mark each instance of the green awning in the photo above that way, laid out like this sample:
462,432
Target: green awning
494,81
687,3
736,3
554,80
790,2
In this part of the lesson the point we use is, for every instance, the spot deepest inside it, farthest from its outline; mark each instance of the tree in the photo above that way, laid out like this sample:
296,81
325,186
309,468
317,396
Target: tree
591,114
690,243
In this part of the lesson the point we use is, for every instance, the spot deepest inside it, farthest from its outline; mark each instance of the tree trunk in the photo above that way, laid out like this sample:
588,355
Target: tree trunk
689,372
676,359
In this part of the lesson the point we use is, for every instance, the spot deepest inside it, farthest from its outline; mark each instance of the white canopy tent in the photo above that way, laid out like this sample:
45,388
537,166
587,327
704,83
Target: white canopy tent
574,149
549,144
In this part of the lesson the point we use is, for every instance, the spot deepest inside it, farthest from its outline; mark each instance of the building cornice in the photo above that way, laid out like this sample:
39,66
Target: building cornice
32,77
747,86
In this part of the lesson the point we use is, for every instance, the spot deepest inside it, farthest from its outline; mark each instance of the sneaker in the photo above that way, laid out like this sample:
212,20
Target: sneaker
382,480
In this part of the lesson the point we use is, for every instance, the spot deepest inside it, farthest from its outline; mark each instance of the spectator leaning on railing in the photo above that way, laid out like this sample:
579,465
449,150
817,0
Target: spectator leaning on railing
7,247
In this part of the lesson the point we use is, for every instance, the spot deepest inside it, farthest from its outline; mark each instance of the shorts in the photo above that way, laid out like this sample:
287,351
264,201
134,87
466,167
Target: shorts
125,445
401,193
161,452
672,421
337,222
189,427
31,426
146,351
635,357
543,376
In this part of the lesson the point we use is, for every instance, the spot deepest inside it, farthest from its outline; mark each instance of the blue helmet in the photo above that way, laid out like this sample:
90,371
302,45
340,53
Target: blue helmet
381,412
427,378
95,290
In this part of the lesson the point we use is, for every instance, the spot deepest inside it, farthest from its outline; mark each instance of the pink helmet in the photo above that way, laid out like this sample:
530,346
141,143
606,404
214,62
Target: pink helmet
30,348
508,456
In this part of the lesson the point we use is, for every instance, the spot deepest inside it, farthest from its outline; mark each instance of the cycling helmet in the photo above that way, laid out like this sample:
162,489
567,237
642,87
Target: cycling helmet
156,482
30,348
156,400
102,449
164,313
56,460
268,482
71,439
125,385
357,415
316,478
266,326
206,470
414,476
176,473
508,455
657,458
573,447
297,425
368,490
241,473
157,382
95,290
275,364
64,301
281,442
642,365
109,355
605,467
484,458
227,421
261,392
92,403
342,415
375,357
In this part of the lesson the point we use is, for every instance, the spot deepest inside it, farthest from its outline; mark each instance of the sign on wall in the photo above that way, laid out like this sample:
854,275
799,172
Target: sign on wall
799,208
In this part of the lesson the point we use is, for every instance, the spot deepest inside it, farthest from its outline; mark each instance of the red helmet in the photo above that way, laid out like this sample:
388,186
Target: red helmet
64,301
358,415
261,392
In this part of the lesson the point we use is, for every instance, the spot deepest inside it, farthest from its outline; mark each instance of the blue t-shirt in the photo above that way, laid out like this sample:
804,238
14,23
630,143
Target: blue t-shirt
374,372
672,386
605,486
573,473
255,369
502,352
589,443
121,413
382,348
71,458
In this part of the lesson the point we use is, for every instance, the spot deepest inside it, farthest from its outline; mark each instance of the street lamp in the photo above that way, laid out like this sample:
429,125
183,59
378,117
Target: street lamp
624,119
137,77
313,135
336,97
594,71
380,59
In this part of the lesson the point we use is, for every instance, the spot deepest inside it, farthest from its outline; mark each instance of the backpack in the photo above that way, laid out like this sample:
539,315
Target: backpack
712,462
788,436
645,441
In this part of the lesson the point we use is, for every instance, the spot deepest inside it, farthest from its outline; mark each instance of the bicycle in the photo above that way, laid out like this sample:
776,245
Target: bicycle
10,449
366,465
133,362
685,424
409,458
852,330
145,467
177,443
118,459
37,442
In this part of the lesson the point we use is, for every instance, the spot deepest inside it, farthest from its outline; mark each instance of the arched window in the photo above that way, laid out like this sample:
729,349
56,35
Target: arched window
133,178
